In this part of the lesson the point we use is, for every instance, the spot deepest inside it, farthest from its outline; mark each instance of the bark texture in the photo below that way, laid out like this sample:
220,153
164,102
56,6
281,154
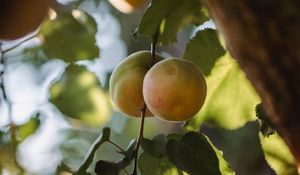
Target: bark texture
264,37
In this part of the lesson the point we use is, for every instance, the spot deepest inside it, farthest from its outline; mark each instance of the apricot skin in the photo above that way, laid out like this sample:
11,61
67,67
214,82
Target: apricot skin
174,89
135,3
127,6
126,83
20,17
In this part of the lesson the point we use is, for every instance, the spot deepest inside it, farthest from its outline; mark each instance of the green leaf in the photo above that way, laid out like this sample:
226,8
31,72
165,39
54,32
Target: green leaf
28,128
34,56
79,96
150,165
230,100
241,147
129,155
130,151
104,137
204,50
167,17
193,154
174,136
278,155
113,168
266,126
70,37
106,168
224,166
155,147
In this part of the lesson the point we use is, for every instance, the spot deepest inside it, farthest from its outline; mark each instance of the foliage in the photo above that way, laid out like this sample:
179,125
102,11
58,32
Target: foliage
205,44
71,36
28,128
278,155
150,165
193,154
104,137
168,17
227,87
175,154
266,128
91,106
224,166
9,141
117,166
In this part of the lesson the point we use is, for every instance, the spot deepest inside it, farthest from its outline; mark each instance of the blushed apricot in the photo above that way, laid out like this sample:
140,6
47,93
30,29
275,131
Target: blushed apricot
20,17
174,89
126,83
127,6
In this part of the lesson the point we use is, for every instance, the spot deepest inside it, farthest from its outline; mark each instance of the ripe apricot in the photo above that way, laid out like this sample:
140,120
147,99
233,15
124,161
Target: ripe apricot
18,18
126,83
174,89
127,6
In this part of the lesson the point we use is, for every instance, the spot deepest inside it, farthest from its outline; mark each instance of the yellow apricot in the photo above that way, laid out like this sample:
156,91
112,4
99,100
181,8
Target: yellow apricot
174,89
18,18
126,83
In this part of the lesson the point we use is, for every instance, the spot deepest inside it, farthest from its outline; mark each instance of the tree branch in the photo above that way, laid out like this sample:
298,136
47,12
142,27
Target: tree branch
264,38
143,112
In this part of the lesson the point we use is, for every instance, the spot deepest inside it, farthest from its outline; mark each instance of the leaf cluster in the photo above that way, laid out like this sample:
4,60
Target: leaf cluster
176,154
71,37
191,153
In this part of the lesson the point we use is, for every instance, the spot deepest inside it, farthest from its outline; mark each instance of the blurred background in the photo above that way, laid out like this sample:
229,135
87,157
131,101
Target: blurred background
57,96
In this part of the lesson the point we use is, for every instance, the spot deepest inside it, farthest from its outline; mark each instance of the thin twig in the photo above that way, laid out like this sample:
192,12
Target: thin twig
141,135
18,44
143,113
117,146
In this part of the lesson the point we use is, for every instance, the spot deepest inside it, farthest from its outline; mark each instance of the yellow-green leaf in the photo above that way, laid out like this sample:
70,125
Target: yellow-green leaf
278,155
167,17
70,37
78,95
230,100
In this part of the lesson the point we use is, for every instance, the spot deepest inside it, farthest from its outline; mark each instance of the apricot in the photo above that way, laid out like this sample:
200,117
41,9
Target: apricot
126,83
127,6
174,89
18,18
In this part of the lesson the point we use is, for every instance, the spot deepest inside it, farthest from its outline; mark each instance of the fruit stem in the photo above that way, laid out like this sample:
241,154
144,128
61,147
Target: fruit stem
143,112
12,127
153,46
141,135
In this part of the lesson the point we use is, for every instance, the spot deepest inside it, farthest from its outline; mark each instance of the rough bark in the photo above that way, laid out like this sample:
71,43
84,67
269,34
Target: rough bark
264,37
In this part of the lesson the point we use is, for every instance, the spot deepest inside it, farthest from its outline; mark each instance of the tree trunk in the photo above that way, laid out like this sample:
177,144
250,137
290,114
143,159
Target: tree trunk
264,37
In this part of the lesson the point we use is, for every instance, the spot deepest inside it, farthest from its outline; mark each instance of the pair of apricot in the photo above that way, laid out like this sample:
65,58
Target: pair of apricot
173,89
